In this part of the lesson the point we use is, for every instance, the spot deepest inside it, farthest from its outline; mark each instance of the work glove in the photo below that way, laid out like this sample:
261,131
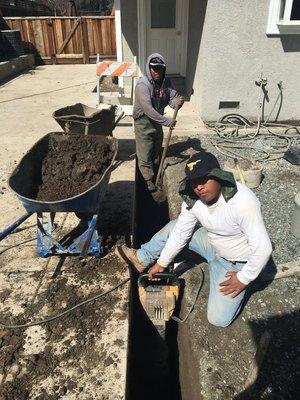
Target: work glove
173,123
179,101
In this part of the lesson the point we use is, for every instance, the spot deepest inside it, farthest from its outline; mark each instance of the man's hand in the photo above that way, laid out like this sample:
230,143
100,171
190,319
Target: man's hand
179,101
232,286
154,270
173,124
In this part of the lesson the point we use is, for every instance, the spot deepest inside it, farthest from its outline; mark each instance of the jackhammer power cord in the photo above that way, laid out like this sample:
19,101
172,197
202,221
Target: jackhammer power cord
47,92
49,319
181,320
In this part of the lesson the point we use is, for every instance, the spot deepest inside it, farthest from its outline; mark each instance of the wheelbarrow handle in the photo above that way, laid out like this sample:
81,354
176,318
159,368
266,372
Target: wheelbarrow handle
14,225
118,119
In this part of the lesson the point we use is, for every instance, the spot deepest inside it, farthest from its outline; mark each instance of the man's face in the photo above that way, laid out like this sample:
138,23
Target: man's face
207,189
157,72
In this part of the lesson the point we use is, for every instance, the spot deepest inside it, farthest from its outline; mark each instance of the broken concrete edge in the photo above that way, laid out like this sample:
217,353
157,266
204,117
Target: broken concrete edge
215,362
15,66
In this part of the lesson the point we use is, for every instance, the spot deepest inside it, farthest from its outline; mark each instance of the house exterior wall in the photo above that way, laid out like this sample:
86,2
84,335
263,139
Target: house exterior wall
129,29
233,50
130,44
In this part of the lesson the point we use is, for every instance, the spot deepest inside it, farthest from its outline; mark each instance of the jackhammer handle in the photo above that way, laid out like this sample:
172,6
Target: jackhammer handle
166,147
169,277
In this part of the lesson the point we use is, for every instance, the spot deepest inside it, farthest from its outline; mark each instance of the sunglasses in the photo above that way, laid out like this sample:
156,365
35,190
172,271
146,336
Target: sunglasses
157,68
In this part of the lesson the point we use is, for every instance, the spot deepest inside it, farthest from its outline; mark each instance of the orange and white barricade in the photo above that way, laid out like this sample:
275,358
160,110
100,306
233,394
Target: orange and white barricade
120,69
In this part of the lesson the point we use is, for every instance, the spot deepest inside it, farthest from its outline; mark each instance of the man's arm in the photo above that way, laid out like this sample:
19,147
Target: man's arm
178,238
249,217
254,229
142,96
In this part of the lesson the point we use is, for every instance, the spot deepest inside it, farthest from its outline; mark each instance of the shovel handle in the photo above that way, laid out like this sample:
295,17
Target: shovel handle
166,147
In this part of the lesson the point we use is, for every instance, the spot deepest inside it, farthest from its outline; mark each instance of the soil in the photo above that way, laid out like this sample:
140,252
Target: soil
109,84
67,347
73,164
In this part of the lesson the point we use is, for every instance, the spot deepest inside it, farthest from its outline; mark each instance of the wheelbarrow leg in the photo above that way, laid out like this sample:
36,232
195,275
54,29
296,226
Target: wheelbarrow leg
88,241
14,225
45,240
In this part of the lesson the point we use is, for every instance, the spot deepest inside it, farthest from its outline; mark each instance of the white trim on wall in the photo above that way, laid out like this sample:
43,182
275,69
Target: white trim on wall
142,34
117,4
284,26
118,30
185,24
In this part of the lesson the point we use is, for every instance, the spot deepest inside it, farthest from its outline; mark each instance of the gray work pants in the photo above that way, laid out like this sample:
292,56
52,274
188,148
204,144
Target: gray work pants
149,138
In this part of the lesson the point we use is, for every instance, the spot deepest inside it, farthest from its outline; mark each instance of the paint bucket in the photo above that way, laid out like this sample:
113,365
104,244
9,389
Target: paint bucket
295,226
246,170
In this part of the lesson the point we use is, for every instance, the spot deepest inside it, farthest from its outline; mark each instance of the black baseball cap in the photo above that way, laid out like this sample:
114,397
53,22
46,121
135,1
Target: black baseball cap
200,165
156,61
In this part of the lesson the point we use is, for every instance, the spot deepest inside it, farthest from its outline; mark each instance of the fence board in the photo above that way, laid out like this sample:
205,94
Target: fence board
45,35
46,38
58,33
105,38
90,37
38,37
113,37
96,37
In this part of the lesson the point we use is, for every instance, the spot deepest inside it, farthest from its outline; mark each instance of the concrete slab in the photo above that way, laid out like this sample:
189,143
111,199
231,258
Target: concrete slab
84,355
215,362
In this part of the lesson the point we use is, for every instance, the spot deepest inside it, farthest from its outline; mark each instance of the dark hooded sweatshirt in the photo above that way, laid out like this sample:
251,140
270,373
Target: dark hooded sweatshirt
151,100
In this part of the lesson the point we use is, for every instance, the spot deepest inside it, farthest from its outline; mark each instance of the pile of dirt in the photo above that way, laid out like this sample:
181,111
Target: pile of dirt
73,164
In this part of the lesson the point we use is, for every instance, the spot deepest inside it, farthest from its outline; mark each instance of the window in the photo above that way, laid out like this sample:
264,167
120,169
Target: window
163,13
284,17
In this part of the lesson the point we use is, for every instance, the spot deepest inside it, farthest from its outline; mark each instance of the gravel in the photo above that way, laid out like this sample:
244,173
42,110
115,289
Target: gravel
280,184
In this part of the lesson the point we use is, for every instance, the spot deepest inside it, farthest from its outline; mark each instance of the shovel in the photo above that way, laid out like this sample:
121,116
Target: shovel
159,173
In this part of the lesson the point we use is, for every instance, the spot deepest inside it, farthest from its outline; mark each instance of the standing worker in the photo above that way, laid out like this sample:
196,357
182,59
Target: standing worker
153,93
232,237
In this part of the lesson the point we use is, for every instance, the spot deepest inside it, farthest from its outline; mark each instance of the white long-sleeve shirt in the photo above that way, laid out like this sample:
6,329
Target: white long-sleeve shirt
235,229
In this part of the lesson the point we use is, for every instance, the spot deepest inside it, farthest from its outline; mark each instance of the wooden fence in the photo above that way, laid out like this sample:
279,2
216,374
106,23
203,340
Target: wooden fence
67,40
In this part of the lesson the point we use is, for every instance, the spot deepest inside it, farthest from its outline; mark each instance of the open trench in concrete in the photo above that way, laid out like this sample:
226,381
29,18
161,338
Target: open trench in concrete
153,363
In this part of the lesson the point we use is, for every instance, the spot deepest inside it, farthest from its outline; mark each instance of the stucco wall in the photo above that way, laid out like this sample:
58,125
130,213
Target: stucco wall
233,50
129,35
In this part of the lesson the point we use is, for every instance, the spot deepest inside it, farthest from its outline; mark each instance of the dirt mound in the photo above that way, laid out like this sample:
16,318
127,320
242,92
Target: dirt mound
73,164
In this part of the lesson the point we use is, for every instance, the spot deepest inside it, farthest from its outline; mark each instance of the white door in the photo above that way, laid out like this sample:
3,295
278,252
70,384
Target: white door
164,31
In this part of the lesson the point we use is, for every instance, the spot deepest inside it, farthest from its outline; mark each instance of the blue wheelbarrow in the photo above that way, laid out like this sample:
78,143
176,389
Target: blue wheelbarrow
23,182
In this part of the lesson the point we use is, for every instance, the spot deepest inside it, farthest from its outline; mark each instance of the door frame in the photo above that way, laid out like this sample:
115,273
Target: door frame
142,34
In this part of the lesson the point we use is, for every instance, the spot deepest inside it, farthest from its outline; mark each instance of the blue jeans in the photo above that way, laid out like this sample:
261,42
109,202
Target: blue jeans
221,310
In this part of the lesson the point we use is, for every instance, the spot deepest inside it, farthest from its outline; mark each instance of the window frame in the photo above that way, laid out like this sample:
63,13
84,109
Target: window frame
285,26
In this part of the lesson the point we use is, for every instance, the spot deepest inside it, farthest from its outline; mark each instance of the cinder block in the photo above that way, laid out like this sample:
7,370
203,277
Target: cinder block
15,66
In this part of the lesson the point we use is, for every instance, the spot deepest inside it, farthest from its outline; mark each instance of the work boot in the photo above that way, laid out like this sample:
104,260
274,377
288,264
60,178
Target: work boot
129,256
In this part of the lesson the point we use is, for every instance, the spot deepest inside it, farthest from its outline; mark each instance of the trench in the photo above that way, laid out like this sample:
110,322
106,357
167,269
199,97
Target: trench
153,363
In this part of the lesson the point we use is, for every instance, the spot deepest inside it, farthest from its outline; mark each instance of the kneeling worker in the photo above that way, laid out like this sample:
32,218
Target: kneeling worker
232,237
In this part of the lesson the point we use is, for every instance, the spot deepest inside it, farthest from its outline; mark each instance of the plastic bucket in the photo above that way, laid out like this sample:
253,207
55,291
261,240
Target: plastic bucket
248,170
